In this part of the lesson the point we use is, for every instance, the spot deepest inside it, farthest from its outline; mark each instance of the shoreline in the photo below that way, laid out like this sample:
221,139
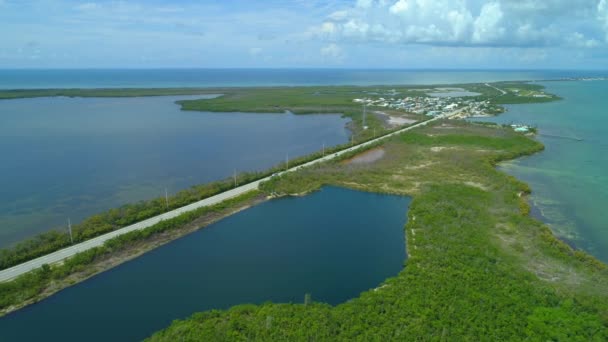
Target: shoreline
134,251
346,152
151,244
200,223
528,248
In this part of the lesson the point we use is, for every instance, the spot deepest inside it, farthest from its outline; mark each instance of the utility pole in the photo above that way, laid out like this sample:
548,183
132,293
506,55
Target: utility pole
166,198
364,115
70,230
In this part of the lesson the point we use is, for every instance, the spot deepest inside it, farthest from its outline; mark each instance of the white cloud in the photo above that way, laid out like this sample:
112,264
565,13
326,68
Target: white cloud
328,28
365,4
332,51
523,23
487,27
336,16
577,39
352,33
399,7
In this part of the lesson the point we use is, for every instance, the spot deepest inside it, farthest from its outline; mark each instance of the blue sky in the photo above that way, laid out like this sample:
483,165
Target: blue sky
305,33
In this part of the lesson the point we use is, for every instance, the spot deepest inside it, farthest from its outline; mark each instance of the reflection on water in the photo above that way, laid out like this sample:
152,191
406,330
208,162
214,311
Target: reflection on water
73,157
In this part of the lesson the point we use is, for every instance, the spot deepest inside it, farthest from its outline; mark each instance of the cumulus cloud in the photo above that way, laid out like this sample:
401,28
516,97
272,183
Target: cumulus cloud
491,23
332,51
487,27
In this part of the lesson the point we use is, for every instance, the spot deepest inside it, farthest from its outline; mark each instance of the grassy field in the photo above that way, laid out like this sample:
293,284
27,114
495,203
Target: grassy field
479,267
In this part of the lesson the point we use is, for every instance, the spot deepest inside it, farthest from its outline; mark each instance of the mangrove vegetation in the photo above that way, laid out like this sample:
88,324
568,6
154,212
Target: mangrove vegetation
479,267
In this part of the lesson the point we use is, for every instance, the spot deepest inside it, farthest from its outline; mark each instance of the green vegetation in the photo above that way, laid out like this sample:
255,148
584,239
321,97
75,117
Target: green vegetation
479,267
298,100
518,92
113,219
38,284
303,100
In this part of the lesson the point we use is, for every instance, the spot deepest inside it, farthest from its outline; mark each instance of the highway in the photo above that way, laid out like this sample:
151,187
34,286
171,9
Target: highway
15,271
502,92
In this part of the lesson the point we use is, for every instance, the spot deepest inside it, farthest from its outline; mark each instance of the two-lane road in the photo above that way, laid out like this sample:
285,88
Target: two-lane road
67,252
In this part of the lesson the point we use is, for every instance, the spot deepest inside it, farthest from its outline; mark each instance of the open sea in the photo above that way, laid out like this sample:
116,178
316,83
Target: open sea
569,179
159,78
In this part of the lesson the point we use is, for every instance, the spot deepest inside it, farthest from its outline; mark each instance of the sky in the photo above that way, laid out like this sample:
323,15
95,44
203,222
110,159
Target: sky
408,34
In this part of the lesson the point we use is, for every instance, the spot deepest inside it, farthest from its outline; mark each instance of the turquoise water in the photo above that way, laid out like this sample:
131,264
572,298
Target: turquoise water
569,179
73,157
150,78
333,244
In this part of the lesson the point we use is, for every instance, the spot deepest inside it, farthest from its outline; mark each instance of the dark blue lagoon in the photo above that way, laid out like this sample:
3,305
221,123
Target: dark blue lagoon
73,157
333,244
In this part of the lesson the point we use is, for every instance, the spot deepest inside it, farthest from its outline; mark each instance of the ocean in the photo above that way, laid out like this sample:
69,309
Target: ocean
569,179
160,78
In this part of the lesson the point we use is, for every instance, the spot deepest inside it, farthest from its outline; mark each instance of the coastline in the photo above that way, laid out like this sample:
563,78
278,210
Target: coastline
133,251
91,254
526,245
411,231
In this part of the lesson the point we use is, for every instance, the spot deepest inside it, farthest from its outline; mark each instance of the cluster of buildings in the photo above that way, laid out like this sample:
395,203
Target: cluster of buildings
434,106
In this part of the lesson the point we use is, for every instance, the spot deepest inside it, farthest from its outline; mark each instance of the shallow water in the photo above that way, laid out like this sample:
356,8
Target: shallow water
569,179
73,157
333,244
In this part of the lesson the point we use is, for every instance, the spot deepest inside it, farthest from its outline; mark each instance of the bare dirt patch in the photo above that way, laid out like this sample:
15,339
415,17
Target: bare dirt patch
419,166
476,185
366,157
394,119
